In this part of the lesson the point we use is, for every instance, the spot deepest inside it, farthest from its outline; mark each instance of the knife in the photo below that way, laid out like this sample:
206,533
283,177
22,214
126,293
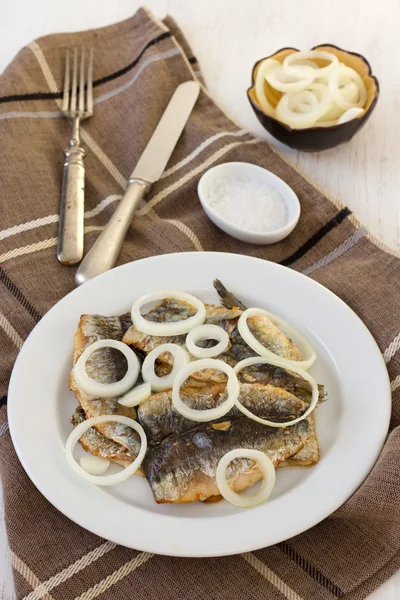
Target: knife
104,252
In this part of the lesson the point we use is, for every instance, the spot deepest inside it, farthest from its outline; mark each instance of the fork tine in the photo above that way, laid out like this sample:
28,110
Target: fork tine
89,99
82,85
74,83
66,84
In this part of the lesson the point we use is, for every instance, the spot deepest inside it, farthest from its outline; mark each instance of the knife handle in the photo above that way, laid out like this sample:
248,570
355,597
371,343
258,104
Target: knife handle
104,252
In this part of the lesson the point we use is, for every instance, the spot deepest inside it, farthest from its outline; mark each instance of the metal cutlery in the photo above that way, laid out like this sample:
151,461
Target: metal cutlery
104,253
77,105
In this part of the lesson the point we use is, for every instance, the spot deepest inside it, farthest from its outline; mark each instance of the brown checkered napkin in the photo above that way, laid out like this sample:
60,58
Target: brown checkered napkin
138,65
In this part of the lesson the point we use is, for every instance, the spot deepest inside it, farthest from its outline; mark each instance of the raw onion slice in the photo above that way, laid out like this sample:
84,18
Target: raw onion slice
209,414
349,92
281,81
136,396
350,114
207,332
267,468
277,363
290,67
95,465
302,344
290,108
171,328
344,74
158,384
115,477
106,390
263,69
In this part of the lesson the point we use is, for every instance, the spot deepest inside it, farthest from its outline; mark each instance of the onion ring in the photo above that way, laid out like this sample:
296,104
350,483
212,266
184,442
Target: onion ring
207,332
136,396
335,90
115,477
172,328
106,390
349,92
201,416
267,468
286,108
181,359
263,69
301,71
303,345
305,97
281,81
259,360
95,465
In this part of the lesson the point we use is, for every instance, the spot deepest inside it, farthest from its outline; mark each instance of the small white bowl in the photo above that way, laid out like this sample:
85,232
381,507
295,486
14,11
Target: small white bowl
243,169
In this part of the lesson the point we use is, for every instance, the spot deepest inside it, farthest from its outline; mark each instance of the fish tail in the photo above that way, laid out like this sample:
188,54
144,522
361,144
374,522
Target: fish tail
227,298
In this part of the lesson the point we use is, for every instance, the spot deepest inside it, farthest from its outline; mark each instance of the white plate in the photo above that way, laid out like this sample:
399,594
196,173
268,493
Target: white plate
351,426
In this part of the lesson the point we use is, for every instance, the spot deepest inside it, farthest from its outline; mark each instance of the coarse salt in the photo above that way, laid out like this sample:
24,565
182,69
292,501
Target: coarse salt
250,204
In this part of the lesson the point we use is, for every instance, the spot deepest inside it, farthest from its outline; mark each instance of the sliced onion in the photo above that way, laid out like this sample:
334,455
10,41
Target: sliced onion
306,63
277,363
267,468
201,416
80,429
207,332
136,396
302,102
350,114
349,92
106,390
300,342
344,74
158,384
302,71
263,69
95,465
283,82
171,328
287,107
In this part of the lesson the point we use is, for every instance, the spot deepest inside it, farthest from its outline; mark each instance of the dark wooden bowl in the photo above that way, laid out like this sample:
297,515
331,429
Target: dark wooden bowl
315,139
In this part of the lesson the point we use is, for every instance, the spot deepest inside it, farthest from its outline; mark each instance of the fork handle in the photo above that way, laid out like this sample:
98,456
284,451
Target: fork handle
104,252
70,232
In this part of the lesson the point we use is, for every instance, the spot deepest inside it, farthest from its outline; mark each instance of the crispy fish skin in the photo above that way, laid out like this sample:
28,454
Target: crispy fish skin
106,365
270,336
309,454
159,418
265,373
182,468
96,443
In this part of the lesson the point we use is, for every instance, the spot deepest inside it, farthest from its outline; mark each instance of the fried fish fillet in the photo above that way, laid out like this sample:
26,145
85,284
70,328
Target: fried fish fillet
97,444
182,468
106,365
159,418
310,453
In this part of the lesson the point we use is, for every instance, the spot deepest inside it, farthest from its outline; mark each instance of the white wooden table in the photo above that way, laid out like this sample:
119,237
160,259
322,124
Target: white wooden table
227,37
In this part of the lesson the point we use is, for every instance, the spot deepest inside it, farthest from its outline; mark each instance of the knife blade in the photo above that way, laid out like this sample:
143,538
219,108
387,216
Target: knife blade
149,168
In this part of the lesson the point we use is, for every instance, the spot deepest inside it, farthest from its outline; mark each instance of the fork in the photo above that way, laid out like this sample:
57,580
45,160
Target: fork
76,106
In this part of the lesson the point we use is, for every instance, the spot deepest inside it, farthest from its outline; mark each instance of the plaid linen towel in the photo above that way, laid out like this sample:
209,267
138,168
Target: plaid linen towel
138,64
